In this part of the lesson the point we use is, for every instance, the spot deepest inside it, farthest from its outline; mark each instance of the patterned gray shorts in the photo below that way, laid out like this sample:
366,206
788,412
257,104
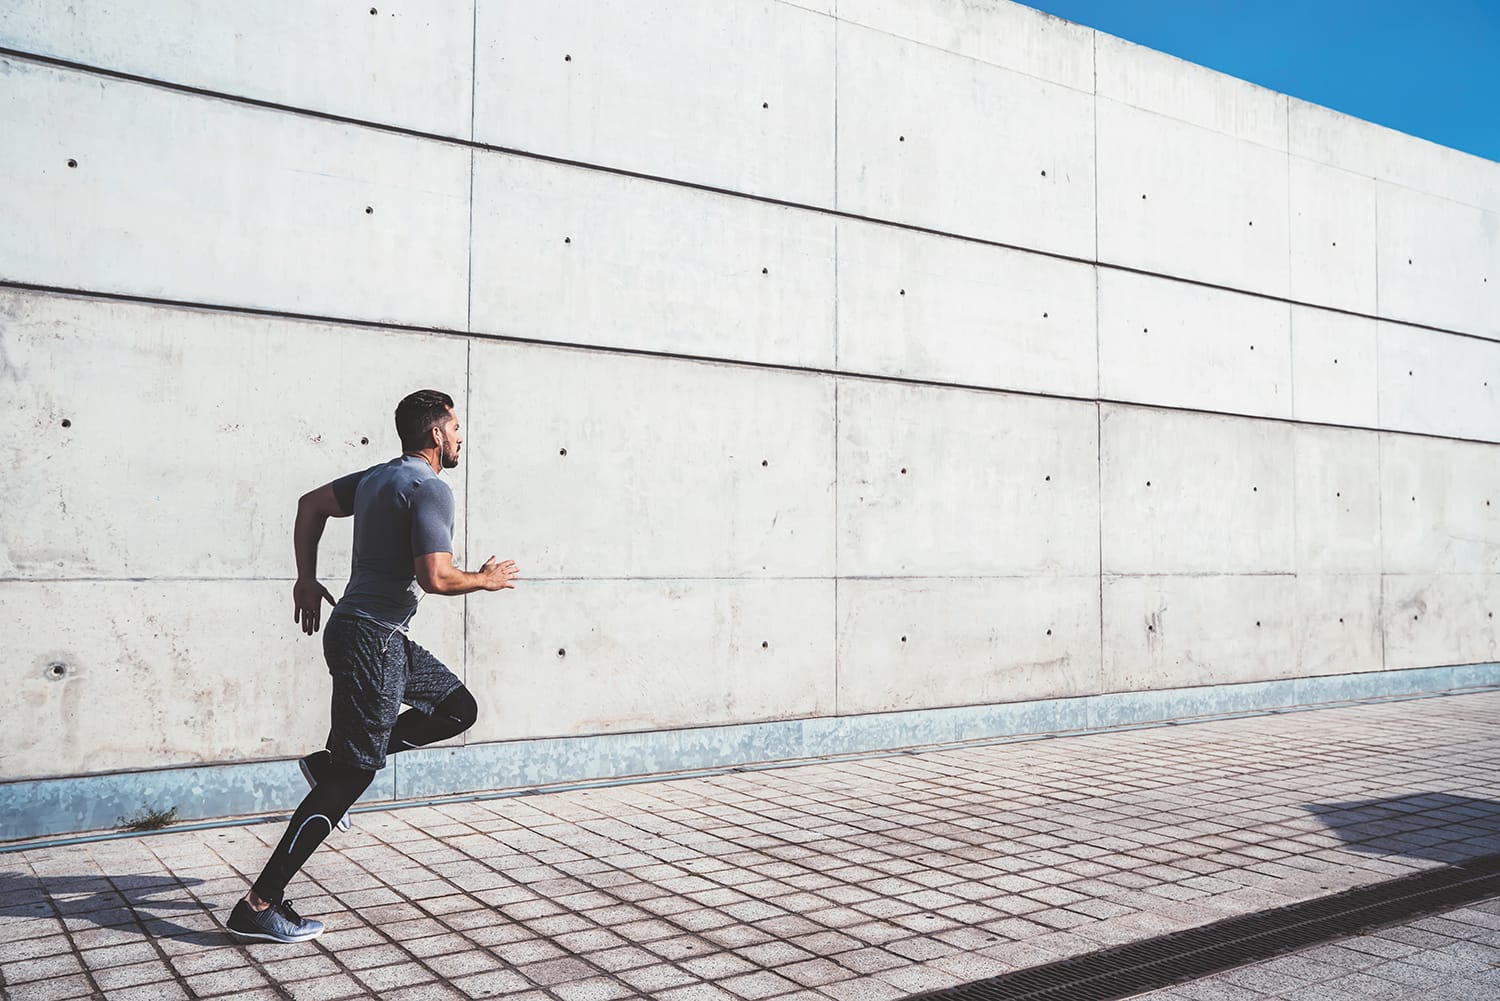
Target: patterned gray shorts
374,670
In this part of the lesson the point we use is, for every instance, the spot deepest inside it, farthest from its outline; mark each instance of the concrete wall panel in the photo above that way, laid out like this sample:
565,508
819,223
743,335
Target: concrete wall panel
919,644
1440,506
157,673
918,128
738,94
919,306
587,257
1186,201
1335,376
1337,504
1169,631
602,656
1375,151
184,197
190,434
1333,236
1338,628
398,64
712,471
1154,81
1439,262
991,31
1441,619
1175,344
1186,493
965,484
1436,383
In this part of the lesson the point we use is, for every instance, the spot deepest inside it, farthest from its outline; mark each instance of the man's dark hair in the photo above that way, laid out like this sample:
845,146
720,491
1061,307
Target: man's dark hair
418,414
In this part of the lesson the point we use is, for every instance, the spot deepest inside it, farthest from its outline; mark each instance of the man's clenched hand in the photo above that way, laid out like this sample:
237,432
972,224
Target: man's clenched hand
307,604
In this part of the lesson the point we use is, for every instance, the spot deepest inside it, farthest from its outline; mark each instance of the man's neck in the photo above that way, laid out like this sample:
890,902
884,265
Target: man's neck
428,456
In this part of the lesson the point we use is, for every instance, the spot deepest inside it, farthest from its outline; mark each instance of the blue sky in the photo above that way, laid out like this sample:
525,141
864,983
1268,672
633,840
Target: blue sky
1430,68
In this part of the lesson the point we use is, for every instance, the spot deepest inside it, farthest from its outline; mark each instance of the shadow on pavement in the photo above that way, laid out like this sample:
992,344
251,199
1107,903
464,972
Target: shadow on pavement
131,904
1435,826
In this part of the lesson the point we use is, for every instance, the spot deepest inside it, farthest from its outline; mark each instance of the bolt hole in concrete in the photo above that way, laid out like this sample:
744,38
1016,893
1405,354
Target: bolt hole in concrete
1044,173
369,210
56,671
364,441
1044,316
1148,483
561,652
765,271
373,12
72,163
1049,479
903,291
901,139
765,104
1341,620
1049,632
765,645
1257,623
66,423
903,639
562,451
567,239
567,59
903,470
765,462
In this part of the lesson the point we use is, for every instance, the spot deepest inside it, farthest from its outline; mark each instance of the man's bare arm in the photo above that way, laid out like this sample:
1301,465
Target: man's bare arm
437,575
313,511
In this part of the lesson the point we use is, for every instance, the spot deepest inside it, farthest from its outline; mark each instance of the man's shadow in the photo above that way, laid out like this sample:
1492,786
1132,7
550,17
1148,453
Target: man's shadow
130,904
1435,826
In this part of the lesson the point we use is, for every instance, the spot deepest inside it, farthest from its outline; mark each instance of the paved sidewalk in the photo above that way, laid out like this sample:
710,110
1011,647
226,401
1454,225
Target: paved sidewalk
873,878
1444,957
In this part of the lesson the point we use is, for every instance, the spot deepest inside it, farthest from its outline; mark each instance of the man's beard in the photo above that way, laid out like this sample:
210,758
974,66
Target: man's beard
449,457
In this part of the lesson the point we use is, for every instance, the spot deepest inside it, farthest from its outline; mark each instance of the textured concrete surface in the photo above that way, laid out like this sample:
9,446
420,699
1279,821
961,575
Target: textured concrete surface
861,879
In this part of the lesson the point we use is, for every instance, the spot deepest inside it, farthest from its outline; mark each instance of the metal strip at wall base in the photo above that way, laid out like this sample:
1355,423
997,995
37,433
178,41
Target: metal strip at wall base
46,807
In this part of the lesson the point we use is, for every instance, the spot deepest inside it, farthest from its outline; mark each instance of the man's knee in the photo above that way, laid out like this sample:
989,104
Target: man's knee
461,708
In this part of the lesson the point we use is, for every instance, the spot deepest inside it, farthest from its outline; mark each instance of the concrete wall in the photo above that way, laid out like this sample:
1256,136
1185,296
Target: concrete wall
818,359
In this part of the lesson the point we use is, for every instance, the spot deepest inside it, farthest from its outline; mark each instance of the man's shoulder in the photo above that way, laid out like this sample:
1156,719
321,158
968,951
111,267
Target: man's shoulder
431,485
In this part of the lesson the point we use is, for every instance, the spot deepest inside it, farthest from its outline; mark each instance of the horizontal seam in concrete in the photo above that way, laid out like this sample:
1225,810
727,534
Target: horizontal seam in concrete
730,193
78,293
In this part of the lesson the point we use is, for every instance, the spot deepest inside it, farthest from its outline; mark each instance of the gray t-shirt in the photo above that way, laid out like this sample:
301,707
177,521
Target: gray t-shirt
401,511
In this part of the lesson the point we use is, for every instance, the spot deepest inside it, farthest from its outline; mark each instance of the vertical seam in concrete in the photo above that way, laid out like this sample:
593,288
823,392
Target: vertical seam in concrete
468,341
1291,311
1380,610
837,556
1096,167
837,666
1291,378
1098,368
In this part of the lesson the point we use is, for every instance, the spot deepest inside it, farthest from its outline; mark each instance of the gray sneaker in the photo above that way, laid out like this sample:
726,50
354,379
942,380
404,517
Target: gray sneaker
308,765
277,923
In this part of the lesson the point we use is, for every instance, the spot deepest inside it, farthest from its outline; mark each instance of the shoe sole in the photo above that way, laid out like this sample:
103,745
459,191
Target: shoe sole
267,937
344,822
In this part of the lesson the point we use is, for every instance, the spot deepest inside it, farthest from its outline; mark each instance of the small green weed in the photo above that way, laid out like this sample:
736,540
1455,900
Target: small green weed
147,819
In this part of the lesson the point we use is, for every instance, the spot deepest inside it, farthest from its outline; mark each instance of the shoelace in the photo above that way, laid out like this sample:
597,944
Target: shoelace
285,907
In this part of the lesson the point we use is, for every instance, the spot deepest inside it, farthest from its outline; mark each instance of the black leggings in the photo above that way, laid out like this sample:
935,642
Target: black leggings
339,785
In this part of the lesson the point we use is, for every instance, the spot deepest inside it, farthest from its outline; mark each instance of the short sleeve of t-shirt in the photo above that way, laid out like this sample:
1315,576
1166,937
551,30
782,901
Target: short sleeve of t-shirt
344,488
431,518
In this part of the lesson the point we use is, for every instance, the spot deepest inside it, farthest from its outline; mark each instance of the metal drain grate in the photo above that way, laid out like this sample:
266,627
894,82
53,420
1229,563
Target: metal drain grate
1126,970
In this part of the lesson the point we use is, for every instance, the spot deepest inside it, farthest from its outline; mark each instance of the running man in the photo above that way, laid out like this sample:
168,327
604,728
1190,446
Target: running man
403,548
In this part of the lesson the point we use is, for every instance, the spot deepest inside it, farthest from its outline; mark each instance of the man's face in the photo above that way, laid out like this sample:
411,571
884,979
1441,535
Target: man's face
451,440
